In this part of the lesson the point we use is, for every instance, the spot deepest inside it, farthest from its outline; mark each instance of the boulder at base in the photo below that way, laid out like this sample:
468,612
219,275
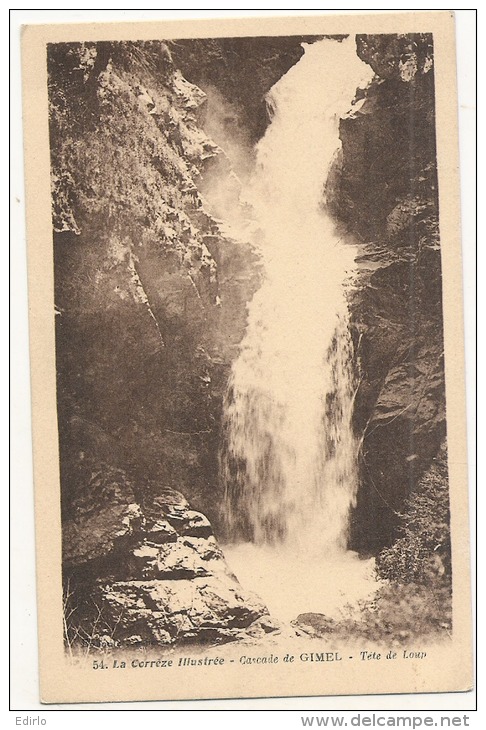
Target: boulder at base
149,575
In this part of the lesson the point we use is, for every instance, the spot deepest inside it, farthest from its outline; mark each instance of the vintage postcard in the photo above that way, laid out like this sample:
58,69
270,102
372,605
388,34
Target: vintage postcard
247,358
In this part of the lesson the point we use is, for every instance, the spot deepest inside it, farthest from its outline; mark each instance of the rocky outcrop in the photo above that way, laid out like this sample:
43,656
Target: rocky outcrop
142,567
384,188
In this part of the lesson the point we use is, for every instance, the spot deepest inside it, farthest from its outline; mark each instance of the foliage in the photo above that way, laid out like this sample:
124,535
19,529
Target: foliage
400,613
421,553
85,627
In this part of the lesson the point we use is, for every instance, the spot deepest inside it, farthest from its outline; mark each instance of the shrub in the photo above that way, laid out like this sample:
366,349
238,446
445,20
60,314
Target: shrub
421,553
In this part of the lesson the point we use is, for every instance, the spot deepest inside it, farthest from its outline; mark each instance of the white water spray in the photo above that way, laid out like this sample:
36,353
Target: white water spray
289,456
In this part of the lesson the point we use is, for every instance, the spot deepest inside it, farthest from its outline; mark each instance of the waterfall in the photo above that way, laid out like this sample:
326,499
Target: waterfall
288,459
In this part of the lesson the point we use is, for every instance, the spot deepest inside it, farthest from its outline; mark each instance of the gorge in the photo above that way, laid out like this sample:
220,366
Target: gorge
248,330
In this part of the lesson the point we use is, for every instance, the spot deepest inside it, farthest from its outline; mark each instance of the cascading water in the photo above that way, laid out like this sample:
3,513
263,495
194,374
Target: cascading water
289,456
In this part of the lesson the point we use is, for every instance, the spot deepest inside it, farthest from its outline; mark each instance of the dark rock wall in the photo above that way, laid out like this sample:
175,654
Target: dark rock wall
384,188
150,300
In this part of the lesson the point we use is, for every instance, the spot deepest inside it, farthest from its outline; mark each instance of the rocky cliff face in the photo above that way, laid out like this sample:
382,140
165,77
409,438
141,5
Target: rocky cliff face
150,297
384,188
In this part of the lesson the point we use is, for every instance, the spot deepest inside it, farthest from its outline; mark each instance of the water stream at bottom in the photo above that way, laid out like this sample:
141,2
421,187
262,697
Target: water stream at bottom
290,585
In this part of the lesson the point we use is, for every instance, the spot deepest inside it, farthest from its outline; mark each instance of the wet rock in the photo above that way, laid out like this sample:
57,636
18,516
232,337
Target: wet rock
160,531
206,547
190,523
269,625
314,624
104,512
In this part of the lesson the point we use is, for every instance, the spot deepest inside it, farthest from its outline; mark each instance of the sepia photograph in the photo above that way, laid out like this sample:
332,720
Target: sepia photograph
247,373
